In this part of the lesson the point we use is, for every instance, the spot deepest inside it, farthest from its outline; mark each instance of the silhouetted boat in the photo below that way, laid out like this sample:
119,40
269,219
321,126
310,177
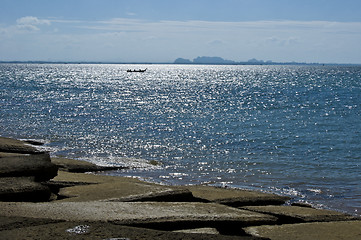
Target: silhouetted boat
135,70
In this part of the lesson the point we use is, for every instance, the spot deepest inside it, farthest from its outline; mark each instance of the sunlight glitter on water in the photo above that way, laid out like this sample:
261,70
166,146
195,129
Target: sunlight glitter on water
277,128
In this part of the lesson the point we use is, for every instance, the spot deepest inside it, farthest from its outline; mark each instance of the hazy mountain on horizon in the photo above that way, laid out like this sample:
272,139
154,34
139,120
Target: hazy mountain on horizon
253,61
216,60
204,60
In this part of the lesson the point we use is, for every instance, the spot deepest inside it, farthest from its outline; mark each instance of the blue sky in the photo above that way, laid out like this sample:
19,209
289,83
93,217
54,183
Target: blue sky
161,30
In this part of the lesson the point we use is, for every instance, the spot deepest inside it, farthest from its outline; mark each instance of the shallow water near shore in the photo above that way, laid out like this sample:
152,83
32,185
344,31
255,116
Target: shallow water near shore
294,130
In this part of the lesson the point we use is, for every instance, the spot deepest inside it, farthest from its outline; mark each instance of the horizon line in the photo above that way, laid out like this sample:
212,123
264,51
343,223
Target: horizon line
172,63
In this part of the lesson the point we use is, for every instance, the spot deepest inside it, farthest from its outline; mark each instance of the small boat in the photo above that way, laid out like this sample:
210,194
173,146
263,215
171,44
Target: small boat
135,70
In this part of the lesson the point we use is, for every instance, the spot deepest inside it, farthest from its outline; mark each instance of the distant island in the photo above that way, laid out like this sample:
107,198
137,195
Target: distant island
221,61
198,60
204,60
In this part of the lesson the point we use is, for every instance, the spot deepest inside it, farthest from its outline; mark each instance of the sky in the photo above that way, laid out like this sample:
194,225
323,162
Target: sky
324,31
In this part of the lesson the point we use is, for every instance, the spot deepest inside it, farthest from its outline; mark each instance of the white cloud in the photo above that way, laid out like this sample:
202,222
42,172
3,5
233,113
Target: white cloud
141,40
286,32
131,14
30,23
29,20
282,41
215,43
28,27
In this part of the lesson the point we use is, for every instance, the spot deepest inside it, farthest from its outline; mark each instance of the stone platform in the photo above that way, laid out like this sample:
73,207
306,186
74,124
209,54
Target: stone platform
38,202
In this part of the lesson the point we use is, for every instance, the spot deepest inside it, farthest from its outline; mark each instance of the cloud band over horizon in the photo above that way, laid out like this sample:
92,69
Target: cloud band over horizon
132,40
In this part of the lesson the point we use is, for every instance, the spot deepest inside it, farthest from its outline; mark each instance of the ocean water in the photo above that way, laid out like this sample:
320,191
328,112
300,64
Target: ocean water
293,130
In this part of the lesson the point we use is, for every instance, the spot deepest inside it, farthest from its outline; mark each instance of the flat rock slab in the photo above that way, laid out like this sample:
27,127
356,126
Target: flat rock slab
9,223
106,231
346,230
23,189
15,146
301,214
200,230
79,166
108,188
236,197
154,214
38,165
7,154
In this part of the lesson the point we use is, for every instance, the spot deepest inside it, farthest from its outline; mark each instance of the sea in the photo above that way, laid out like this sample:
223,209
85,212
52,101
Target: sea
293,130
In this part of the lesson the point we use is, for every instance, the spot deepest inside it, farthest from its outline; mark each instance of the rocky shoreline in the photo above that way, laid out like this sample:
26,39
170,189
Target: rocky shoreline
43,197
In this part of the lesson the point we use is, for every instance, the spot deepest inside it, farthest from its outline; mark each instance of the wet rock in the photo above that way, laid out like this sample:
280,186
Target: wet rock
318,230
302,204
34,142
105,231
236,197
200,230
294,214
168,195
5,154
155,215
79,166
16,146
22,168
23,189
37,165
117,189
8,223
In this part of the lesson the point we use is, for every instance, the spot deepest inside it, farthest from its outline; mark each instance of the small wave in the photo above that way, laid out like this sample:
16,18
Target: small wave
314,190
34,142
125,162
289,192
40,144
